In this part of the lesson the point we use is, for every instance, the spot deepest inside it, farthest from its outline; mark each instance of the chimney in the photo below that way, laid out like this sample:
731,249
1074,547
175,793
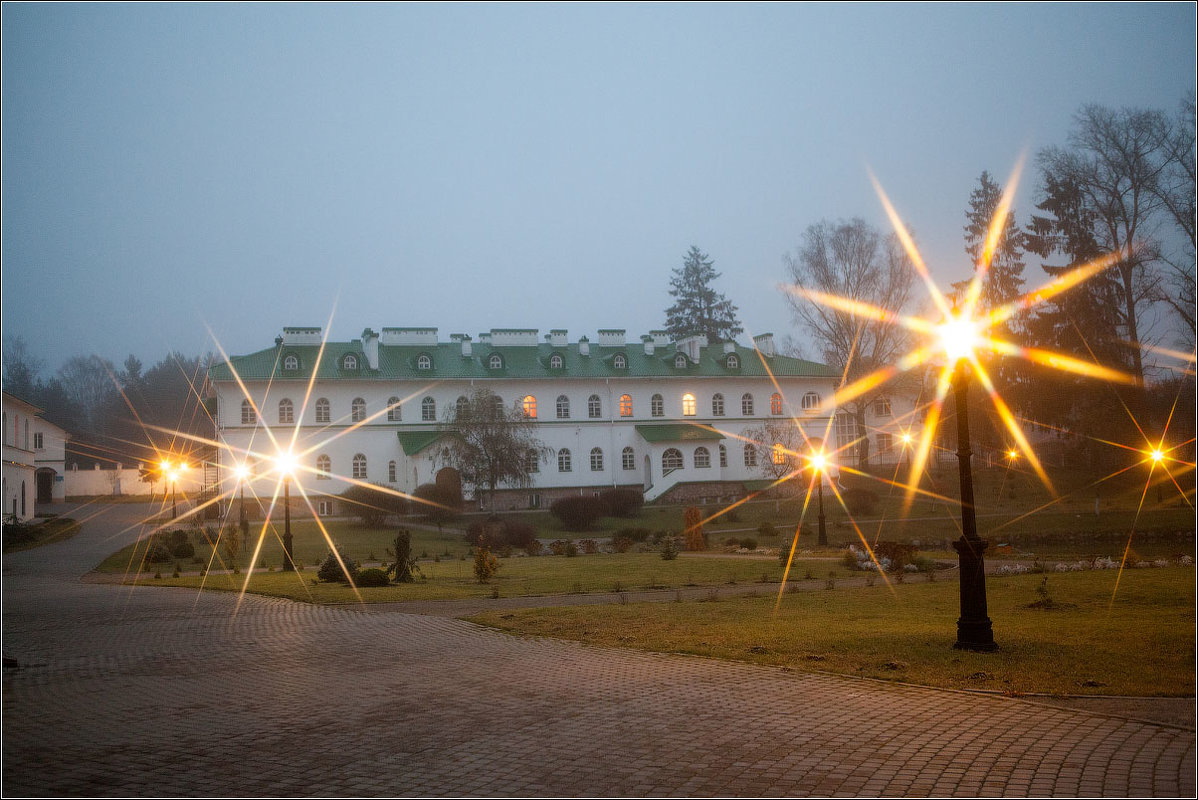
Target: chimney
558,337
584,346
465,341
765,344
650,345
729,346
611,337
691,345
370,346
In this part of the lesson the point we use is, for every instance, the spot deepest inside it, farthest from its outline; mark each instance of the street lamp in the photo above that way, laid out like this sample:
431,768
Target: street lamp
285,463
819,463
906,437
974,631
243,473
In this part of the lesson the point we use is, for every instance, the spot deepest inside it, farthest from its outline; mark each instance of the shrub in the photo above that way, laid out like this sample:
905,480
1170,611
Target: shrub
331,571
570,550
766,530
589,546
669,548
441,501
182,549
405,562
692,518
485,565
534,547
558,547
579,513
374,503
899,554
158,551
634,534
621,544
372,577
748,544
860,501
623,502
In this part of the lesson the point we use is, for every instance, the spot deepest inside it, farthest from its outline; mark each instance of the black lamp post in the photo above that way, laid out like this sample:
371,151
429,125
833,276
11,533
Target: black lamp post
288,564
823,529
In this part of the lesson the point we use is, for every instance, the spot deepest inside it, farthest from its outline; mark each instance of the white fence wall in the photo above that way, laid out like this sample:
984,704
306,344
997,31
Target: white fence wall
123,481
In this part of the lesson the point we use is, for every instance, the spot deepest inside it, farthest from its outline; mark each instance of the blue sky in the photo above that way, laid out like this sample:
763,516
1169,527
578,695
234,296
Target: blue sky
174,169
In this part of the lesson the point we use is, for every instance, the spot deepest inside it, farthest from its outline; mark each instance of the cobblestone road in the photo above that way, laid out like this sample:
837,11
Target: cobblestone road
151,691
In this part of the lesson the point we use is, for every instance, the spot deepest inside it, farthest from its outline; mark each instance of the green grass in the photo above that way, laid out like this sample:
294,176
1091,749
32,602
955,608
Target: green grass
1141,643
29,536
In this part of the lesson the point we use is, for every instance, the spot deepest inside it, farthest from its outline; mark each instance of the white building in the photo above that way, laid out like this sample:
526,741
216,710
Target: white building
666,417
34,458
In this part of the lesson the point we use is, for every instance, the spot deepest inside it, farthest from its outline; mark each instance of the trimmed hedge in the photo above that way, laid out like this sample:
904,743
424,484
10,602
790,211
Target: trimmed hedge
579,513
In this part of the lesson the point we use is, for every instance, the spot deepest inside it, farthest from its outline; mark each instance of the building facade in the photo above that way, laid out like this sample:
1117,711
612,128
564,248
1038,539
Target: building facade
34,459
668,417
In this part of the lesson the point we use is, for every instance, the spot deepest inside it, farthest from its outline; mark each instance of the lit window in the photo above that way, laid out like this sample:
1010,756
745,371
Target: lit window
882,407
671,460
746,405
322,410
286,411
324,466
717,405
619,362
775,403
350,361
394,411
779,453
846,431
811,401
733,361
680,361
750,456
723,456
555,361
532,461
428,410
625,405
594,407
391,472
628,458
563,407
357,410
530,407
291,363
248,417
359,467
424,362
702,458
596,459
563,460
688,405
495,361
657,406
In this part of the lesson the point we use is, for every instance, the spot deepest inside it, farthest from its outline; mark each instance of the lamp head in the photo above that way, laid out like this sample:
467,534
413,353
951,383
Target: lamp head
958,337
285,463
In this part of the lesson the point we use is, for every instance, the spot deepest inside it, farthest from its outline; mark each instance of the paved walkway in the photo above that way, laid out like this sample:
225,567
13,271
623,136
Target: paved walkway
152,691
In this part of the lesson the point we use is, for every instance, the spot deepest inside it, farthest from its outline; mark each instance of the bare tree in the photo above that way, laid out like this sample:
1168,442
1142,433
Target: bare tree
1176,190
90,383
853,260
780,446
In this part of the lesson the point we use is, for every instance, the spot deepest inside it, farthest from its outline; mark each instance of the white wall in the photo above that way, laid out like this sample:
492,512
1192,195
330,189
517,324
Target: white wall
123,481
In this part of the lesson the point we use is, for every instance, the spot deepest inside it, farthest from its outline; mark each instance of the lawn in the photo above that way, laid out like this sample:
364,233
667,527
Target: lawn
1138,641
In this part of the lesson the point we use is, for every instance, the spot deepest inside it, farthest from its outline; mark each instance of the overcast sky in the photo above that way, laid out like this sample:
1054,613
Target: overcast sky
170,169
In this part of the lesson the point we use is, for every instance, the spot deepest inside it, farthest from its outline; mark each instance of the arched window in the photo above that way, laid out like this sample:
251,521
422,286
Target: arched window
723,456
424,361
291,363
357,410
359,467
811,401
625,405
324,466
322,410
462,406
671,460
532,461
750,455
495,361
657,406
563,460
775,403
702,458
563,407
746,405
628,458
555,361
350,361
717,405
428,410
680,361
248,417
394,410
594,407
688,405
619,361
596,459
286,412
733,361
391,472
779,453
529,405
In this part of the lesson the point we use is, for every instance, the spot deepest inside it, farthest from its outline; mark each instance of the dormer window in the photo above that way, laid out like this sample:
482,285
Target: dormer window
350,361
619,361
424,361
495,361
733,361
291,363
680,361
555,361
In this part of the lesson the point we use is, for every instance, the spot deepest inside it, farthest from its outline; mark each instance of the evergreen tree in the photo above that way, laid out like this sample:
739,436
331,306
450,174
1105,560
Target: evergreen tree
1004,276
698,308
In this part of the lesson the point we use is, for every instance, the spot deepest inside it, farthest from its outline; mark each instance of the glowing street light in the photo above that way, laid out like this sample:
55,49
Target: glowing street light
242,472
819,465
285,463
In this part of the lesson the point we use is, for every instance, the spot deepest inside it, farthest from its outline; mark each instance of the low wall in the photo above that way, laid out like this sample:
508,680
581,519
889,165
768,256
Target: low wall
123,481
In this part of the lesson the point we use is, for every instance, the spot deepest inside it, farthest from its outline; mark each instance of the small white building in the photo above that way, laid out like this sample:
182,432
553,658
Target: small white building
34,458
667,417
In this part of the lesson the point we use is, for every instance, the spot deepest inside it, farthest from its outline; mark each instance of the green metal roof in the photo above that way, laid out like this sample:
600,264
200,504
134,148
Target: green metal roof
413,442
399,362
678,433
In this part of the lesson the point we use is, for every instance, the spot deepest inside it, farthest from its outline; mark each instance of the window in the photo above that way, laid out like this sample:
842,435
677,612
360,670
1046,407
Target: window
596,459
680,361
248,417
563,407
286,411
594,408
746,405
291,363
497,406
394,411
359,467
723,456
811,401
750,456
357,410
733,361
779,453
428,410
322,410
882,407
717,405
462,406
324,507
628,458
495,361
529,404
563,460
625,405
688,405
702,458
391,472
350,361
657,406
846,431
619,362
775,404
324,467
555,361
424,361
532,461
38,442
671,460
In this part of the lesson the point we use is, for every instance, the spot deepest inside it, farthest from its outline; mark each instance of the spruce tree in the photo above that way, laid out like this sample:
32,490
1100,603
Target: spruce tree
698,308
1004,277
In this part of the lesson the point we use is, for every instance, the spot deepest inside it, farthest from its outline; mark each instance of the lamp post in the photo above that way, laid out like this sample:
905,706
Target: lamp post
243,472
819,463
168,475
286,463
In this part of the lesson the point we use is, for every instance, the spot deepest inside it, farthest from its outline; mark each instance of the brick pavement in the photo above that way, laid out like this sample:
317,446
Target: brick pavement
152,691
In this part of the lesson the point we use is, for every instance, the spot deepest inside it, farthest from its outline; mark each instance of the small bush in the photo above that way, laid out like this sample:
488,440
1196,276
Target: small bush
183,549
634,534
692,518
899,554
766,530
570,550
534,547
621,544
624,502
159,551
860,501
669,548
440,501
373,504
748,543
372,577
579,513
485,565
589,546
331,571
558,547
